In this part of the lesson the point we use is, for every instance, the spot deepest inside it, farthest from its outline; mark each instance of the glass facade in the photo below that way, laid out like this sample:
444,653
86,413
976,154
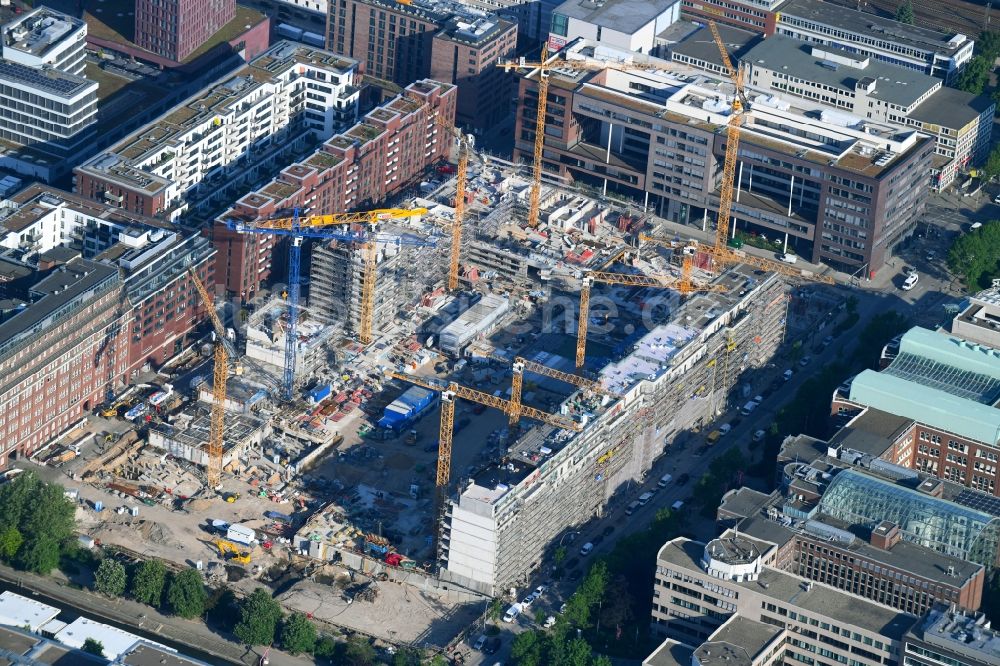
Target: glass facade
935,523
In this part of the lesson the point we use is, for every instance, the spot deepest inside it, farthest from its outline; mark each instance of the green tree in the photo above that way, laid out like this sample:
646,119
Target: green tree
298,634
528,648
559,556
991,168
988,45
259,617
93,646
186,594
110,578
10,542
601,660
43,517
325,648
495,610
976,74
406,657
148,581
359,652
904,13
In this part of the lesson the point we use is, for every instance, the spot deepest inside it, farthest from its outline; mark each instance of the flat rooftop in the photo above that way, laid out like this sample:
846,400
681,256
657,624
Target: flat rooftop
961,633
843,608
701,46
48,80
872,432
736,643
625,16
870,25
145,654
803,60
951,107
670,653
39,31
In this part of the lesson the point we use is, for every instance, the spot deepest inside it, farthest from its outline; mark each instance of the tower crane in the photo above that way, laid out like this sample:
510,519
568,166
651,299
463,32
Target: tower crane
543,66
449,393
521,365
224,352
315,226
720,250
464,150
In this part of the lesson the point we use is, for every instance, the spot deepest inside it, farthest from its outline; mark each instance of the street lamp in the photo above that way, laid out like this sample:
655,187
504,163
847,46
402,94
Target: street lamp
575,534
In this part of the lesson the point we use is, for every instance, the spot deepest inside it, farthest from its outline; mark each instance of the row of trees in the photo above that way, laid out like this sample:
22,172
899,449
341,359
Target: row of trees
182,594
36,525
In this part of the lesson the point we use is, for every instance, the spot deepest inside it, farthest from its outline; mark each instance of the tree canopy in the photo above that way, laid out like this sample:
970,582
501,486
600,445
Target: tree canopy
148,582
36,522
976,75
110,578
259,618
976,255
186,594
298,634
904,13
93,646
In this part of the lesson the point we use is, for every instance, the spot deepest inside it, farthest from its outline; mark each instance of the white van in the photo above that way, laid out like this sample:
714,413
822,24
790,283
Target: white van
911,281
512,613
644,498
587,548
630,509
678,505
789,258
664,480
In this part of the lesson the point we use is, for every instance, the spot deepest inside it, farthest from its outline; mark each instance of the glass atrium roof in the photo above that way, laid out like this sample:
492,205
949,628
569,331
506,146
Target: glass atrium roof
963,383
946,527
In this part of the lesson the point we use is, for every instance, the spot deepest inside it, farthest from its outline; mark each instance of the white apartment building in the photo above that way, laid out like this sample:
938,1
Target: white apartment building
632,25
858,90
46,37
48,112
914,47
290,93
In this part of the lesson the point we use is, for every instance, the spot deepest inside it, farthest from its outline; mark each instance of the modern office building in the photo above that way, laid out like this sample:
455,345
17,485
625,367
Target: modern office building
175,29
438,39
954,637
857,88
505,518
44,37
876,564
979,322
624,24
385,152
839,194
949,388
910,46
699,587
218,143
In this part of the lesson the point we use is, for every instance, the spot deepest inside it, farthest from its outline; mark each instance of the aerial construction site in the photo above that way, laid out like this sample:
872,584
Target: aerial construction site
425,398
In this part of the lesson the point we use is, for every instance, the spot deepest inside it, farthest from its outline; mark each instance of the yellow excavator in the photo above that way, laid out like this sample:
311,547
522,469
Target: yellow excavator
230,551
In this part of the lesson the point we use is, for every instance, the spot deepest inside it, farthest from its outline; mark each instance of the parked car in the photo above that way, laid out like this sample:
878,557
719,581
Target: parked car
480,642
492,645
683,478
541,589
758,435
586,548
724,429
806,360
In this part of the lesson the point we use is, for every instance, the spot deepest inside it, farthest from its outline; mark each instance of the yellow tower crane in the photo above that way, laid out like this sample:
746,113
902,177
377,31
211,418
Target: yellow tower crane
521,365
720,251
464,150
543,66
219,379
451,391
369,249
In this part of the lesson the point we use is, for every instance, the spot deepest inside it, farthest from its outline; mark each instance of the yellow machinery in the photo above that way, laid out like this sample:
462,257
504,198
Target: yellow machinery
720,251
543,66
230,551
521,365
451,391
369,248
464,149
219,379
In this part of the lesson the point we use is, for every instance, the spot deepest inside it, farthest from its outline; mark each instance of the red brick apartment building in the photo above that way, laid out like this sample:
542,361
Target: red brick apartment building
407,41
89,296
387,151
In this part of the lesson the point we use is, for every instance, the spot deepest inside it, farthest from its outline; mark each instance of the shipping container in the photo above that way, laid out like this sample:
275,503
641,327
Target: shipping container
241,534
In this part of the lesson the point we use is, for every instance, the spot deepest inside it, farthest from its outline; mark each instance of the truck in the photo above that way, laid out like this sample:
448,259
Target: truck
241,534
748,408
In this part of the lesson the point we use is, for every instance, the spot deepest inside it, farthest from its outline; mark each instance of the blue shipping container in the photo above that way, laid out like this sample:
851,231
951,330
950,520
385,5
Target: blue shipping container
320,393
409,407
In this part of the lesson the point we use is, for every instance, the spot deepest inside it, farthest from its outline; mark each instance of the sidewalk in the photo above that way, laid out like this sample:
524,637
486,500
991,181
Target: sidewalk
192,633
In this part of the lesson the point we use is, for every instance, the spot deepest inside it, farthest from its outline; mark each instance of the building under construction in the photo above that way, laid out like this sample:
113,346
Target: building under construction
677,377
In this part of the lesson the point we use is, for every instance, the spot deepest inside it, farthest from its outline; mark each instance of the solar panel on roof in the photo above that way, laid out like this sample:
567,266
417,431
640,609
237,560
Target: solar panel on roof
979,501
60,84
